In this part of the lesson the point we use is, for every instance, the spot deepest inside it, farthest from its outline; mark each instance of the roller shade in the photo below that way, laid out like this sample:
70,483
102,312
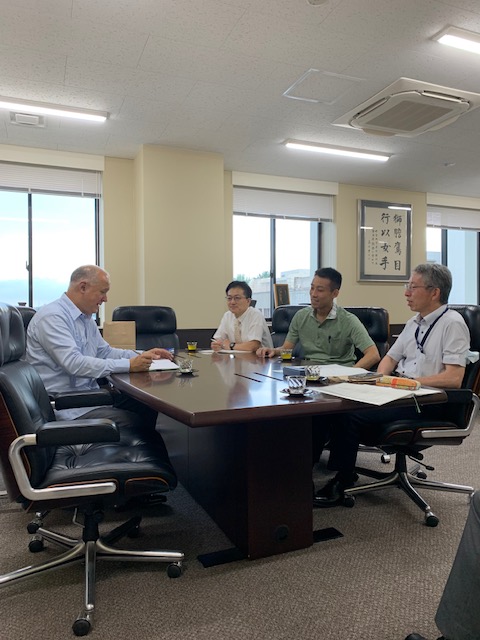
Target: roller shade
41,179
453,218
282,204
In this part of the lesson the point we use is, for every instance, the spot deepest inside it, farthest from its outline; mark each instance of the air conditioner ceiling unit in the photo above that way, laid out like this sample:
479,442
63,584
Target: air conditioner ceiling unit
409,107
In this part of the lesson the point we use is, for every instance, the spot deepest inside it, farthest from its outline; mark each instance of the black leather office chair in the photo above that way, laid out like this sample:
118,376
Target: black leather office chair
408,438
86,465
27,314
376,321
281,319
155,326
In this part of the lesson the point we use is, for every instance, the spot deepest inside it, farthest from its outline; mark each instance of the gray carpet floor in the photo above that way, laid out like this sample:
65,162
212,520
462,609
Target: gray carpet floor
381,580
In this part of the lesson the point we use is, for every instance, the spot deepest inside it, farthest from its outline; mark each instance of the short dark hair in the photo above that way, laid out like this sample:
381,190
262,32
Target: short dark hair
333,275
437,276
239,284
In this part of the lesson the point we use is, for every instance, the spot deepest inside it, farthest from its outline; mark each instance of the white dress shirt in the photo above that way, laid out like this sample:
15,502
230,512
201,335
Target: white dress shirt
447,343
252,327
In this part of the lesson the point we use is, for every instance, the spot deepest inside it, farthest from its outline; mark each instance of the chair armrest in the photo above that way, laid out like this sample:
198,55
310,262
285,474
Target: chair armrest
456,395
75,399
62,432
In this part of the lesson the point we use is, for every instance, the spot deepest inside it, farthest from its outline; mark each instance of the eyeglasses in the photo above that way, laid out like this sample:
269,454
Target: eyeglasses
234,298
411,287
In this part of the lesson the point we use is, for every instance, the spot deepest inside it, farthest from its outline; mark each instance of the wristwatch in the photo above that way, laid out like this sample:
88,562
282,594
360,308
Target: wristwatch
232,346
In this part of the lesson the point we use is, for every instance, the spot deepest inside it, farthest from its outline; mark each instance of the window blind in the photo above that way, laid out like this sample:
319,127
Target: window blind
453,218
42,179
282,204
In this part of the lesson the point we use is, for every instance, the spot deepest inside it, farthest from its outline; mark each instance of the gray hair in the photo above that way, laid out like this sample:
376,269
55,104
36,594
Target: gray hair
87,272
437,276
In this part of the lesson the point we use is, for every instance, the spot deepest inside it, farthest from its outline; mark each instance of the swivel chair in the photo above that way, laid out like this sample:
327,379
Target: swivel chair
27,314
376,321
281,319
86,465
408,438
155,326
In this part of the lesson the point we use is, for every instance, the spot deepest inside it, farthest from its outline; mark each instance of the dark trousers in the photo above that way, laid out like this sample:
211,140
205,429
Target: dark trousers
458,614
127,412
346,431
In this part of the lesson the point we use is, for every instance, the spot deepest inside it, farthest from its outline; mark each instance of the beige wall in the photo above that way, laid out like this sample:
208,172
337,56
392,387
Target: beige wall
177,245
118,233
388,295
168,236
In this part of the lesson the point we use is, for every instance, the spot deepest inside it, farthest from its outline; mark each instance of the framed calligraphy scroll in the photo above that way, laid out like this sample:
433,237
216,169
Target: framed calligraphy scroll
384,240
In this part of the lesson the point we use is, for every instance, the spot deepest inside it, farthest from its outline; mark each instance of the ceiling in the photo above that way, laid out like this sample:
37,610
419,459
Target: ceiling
210,75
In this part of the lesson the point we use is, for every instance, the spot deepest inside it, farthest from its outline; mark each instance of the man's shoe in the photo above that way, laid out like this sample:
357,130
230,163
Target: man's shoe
332,494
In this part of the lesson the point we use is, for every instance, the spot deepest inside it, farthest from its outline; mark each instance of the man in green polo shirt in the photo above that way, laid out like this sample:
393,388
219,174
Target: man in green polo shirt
329,335
327,332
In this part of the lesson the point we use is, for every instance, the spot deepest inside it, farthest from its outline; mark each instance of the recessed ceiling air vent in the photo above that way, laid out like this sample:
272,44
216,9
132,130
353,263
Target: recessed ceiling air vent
27,119
410,107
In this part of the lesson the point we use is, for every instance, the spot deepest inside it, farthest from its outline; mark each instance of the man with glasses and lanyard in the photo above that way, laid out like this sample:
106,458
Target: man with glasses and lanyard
432,349
242,328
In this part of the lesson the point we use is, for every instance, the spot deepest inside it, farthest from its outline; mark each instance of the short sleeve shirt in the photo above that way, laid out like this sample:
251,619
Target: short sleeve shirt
447,342
332,341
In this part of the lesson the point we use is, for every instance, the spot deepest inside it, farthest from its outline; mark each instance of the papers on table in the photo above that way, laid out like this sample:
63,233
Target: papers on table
163,365
327,370
371,394
232,351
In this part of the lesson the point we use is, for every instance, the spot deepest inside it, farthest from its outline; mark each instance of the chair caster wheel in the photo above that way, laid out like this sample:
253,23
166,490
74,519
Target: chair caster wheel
36,545
422,475
81,626
174,570
349,501
385,458
431,519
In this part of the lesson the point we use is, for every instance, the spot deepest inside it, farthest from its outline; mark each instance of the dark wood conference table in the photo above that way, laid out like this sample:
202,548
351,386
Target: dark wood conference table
241,447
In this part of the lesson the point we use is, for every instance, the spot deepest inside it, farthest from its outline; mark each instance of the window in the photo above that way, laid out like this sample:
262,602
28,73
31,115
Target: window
278,238
45,232
453,240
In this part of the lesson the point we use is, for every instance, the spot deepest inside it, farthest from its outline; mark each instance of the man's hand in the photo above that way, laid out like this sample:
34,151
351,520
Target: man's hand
158,353
266,352
217,345
143,361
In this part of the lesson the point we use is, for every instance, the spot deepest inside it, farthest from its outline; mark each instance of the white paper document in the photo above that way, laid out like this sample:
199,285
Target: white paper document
371,394
330,370
162,365
232,351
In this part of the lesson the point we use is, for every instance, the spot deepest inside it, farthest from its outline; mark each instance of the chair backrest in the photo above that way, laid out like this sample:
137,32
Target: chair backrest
377,322
27,314
281,318
471,315
24,402
155,326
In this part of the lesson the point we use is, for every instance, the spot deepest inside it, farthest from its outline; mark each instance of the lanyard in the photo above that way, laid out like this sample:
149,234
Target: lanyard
420,344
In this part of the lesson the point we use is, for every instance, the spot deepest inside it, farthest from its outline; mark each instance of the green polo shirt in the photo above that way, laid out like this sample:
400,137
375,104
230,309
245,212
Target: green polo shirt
332,341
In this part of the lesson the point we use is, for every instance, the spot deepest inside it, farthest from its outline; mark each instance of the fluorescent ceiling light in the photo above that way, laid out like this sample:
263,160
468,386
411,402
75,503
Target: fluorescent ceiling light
460,39
42,108
336,151
400,207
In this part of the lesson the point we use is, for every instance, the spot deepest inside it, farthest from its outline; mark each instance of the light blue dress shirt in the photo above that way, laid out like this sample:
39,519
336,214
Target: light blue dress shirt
66,348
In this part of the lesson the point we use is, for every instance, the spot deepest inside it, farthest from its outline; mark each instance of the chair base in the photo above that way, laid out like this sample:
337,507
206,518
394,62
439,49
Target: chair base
406,480
88,549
